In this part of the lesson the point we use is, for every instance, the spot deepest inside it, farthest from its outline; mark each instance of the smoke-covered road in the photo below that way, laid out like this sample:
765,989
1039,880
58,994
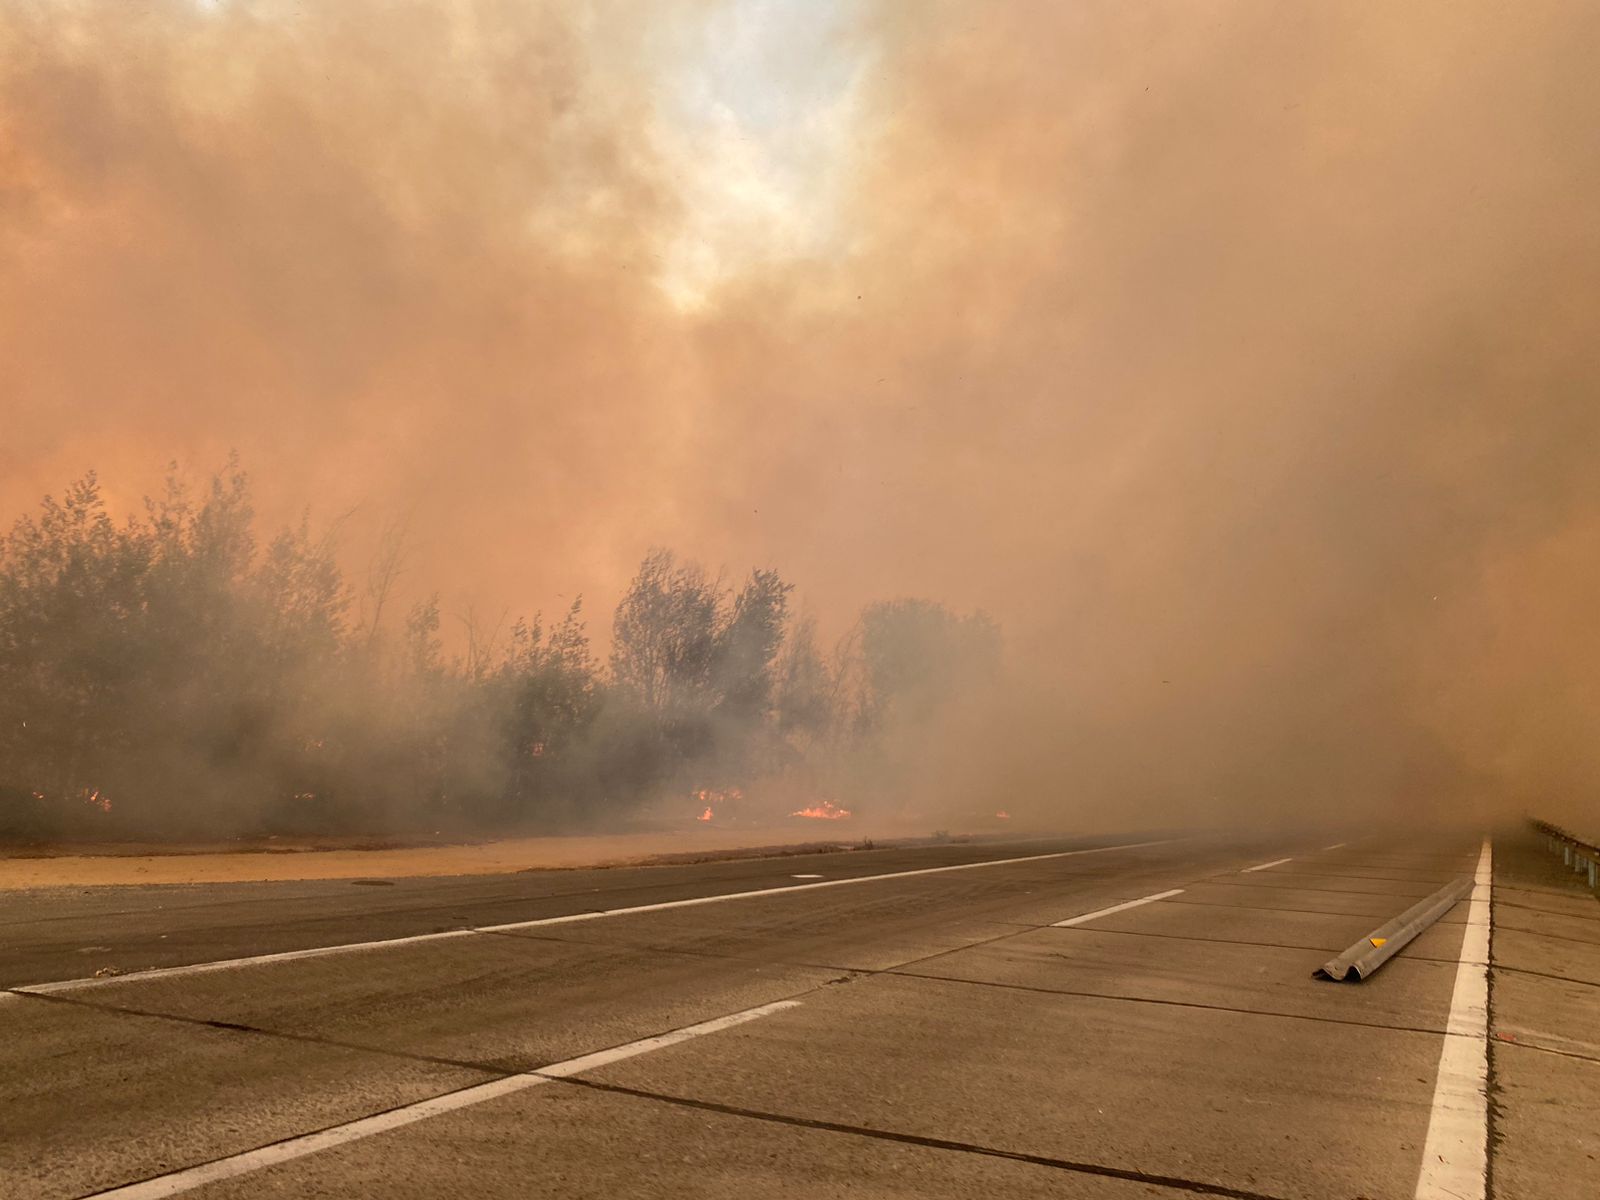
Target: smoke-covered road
920,1025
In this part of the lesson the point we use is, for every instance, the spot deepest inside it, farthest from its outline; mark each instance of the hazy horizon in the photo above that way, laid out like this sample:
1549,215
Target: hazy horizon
1234,357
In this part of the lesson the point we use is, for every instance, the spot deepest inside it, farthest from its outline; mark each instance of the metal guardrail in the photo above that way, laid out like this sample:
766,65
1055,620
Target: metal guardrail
1388,939
1581,856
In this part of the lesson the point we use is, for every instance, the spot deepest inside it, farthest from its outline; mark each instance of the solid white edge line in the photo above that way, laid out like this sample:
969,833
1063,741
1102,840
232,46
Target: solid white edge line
1115,908
227,964
235,1165
1455,1154
1277,862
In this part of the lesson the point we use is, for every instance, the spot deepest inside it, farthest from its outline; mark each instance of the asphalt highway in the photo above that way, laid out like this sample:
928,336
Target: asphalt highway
1127,1017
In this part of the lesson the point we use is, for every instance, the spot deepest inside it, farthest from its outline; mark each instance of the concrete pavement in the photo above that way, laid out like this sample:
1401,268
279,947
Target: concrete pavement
947,1036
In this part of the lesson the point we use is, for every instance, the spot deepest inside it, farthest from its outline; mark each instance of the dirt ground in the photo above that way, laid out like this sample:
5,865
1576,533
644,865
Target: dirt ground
114,866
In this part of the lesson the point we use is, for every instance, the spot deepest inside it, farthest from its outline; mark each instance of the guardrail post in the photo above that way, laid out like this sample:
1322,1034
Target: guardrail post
1580,857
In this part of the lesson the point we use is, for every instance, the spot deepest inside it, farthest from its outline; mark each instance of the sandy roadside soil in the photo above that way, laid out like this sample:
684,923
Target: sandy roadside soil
484,858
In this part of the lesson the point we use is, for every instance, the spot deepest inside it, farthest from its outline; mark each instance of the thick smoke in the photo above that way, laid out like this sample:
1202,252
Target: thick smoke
1236,357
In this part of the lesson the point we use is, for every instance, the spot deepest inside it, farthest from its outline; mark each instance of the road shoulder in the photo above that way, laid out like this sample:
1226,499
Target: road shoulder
1545,1008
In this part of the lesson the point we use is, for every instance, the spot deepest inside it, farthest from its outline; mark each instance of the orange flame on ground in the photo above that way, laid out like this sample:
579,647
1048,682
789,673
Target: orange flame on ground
1003,815
826,811
711,797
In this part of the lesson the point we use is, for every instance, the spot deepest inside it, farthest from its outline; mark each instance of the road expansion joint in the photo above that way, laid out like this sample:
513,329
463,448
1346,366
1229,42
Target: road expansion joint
1501,967
1275,908
1195,937
1275,887
1538,933
1231,872
495,1069
1438,878
1549,912
755,959
1192,1004
1564,893
893,968
635,947
1102,1170
1505,1042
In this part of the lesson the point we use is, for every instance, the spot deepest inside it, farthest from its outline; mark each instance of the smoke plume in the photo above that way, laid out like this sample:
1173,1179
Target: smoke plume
1236,357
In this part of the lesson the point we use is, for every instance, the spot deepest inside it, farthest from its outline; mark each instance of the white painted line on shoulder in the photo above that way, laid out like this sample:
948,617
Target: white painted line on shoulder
1277,862
1115,908
228,964
1455,1155
1335,846
805,877
235,1165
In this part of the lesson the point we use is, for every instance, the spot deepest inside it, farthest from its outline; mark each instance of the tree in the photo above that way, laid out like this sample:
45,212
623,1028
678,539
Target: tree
697,661
746,642
806,688
71,586
551,699
916,655
664,639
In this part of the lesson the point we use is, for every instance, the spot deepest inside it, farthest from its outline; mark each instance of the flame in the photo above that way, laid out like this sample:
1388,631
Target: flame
712,797
1003,815
825,811
95,798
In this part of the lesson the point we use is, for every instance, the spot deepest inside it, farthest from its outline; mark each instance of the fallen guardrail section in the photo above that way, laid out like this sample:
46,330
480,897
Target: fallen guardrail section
1583,857
1383,943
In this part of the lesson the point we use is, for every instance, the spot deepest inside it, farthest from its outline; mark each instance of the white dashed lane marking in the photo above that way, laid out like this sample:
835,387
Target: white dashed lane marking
1277,862
1115,908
